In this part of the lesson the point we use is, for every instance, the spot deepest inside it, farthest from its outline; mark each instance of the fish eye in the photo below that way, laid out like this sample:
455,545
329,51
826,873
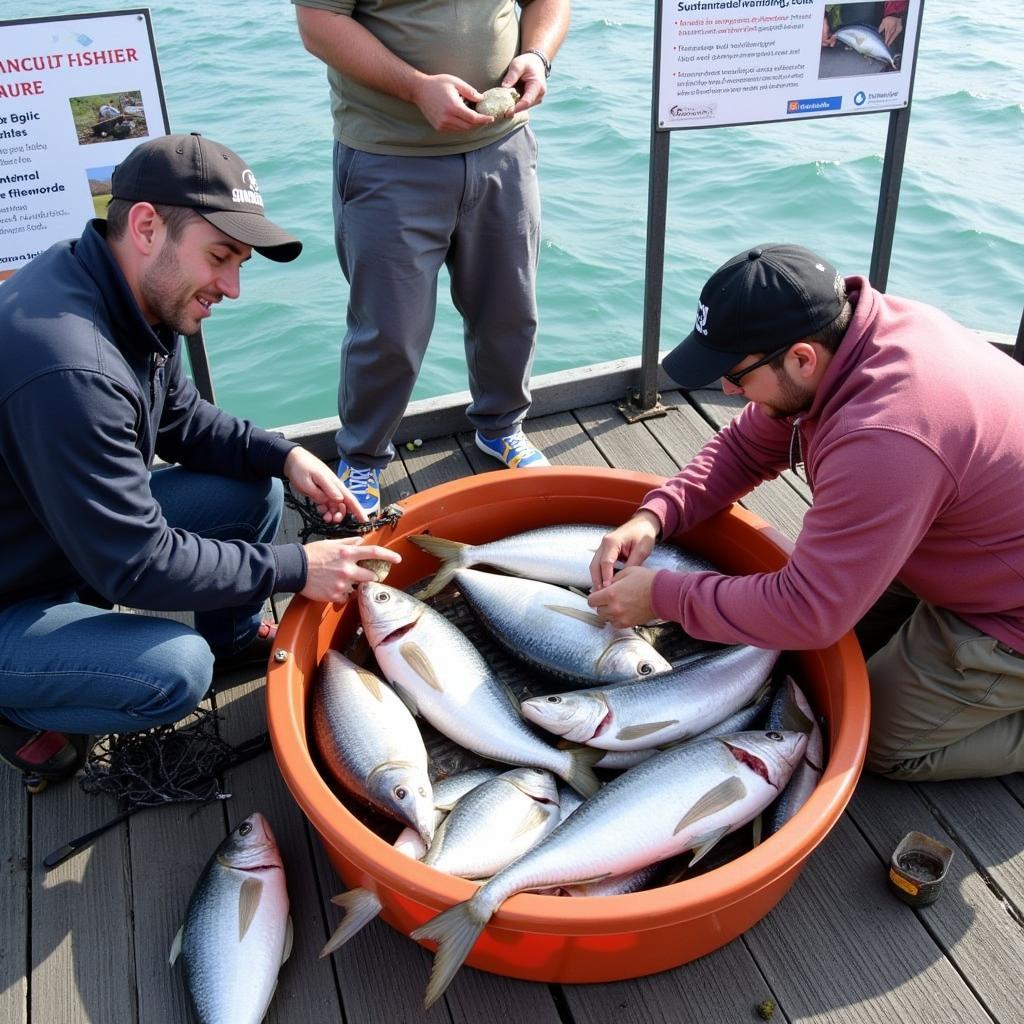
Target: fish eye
645,668
774,735
554,699
401,792
381,597
244,829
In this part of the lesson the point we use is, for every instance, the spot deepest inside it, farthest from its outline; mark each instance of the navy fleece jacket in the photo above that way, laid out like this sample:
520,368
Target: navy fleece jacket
89,393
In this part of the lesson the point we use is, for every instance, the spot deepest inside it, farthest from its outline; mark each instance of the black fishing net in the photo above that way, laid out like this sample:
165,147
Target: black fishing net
313,526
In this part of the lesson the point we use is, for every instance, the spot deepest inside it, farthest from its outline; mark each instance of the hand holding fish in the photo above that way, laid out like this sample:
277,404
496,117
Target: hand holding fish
334,570
827,36
632,542
442,101
626,601
315,480
526,73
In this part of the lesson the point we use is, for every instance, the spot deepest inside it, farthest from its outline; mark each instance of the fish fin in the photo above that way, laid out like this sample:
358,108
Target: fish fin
590,618
176,946
727,792
289,940
635,732
372,683
757,830
532,820
706,842
249,897
416,658
578,592
358,908
794,720
455,931
581,770
408,700
449,552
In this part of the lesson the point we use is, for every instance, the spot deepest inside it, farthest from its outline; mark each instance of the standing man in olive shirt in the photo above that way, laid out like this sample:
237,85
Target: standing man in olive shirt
422,180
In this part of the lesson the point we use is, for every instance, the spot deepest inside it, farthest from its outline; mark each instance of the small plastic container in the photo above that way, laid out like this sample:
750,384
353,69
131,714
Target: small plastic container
918,868
552,938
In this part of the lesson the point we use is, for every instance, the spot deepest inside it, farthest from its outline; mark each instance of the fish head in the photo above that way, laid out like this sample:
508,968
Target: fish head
628,656
578,716
405,791
386,612
250,845
773,755
536,783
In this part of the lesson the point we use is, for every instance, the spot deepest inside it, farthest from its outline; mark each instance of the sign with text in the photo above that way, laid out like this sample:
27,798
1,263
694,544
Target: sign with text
726,62
77,94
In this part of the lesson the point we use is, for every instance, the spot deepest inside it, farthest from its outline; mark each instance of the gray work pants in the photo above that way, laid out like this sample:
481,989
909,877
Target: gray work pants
397,220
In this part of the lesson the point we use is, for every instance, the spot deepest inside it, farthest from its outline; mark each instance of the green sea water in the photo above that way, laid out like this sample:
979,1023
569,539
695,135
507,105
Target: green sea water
238,73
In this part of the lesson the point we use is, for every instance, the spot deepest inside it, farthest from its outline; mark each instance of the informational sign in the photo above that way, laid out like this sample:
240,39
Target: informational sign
728,62
77,94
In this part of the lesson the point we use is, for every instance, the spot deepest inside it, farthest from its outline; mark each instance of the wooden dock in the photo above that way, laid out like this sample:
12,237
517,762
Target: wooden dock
88,941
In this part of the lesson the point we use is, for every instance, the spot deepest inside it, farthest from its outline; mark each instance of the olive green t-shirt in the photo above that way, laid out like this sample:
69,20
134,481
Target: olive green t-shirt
475,40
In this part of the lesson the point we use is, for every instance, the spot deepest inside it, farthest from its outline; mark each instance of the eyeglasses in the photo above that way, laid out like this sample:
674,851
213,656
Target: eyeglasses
735,378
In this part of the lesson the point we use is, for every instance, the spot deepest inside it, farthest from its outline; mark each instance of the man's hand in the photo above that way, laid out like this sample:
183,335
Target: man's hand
334,568
827,36
626,601
442,101
526,73
315,480
631,543
890,29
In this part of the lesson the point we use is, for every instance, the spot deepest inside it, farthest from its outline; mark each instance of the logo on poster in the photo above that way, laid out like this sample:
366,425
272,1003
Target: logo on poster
814,105
860,98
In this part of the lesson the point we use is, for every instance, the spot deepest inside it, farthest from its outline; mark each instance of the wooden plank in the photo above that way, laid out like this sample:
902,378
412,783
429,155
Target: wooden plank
14,897
625,445
83,956
970,921
840,948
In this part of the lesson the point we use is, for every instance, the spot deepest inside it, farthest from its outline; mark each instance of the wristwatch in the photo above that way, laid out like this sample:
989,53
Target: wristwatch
543,59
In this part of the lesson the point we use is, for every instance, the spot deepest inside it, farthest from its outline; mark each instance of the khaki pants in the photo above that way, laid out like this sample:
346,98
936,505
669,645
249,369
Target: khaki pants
947,701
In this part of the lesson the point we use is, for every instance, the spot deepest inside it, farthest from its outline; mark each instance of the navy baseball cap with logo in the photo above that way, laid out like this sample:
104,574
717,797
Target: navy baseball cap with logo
756,303
188,170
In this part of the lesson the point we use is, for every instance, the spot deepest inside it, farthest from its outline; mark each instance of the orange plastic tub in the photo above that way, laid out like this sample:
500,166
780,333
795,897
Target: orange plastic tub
552,938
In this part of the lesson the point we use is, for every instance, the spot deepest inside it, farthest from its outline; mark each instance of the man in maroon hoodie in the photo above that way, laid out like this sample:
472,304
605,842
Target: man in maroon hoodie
908,430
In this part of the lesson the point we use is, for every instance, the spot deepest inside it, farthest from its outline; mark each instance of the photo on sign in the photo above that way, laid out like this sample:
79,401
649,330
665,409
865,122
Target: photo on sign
100,188
862,39
109,117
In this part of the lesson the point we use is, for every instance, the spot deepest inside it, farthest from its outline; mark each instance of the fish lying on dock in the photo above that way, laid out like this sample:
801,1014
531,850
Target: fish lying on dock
867,42
371,744
237,929
555,630
446,680
551,554
658,709
684,798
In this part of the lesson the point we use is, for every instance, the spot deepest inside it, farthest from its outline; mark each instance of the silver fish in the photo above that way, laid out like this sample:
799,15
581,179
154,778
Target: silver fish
659,709
495,823
792,710
371,744
360,906
445,679
555,630
552,554
867,42
685,798
237,930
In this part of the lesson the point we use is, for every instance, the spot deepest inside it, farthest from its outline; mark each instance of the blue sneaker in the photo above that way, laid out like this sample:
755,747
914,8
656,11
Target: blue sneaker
515,450
364,485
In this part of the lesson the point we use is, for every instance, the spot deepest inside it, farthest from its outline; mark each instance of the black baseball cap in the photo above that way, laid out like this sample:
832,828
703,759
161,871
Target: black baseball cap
756,303
188,170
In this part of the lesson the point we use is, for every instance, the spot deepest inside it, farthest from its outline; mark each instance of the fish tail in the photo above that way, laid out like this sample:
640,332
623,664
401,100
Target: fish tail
580,774
448,551
455,930
358,908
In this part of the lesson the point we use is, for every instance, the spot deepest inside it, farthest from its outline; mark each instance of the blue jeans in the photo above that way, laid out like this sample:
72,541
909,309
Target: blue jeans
77,668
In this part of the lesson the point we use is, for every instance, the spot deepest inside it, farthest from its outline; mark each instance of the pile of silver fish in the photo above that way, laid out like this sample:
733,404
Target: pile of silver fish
237,929
706,747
